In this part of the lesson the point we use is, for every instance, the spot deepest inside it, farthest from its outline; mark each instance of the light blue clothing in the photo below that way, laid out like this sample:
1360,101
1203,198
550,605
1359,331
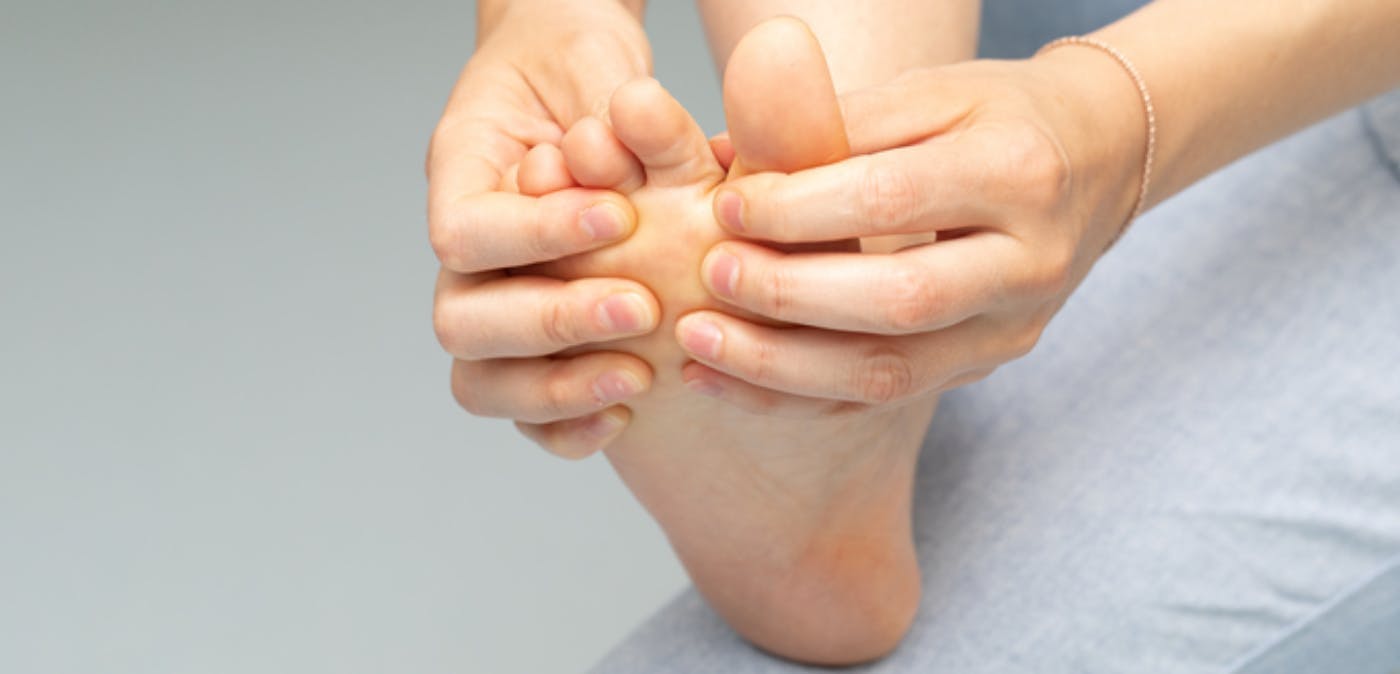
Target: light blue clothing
1198,469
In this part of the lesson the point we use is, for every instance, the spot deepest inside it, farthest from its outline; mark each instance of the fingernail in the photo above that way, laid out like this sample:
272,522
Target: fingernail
624,313
702,338
723,273
603,426
602,222
729,207
612,387
704,387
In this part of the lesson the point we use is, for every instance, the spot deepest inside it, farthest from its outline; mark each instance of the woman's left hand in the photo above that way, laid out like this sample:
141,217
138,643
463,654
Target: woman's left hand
1025,169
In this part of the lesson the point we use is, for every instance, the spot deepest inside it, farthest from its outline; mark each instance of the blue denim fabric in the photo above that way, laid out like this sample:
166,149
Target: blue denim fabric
1198,469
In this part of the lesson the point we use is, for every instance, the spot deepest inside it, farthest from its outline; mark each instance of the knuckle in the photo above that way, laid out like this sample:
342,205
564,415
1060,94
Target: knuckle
542,241
760,364
1025,340
1041,167
467,393
776,286
556,392
1052,275
910,302
559,326
444,327
883,376
887,198
445,237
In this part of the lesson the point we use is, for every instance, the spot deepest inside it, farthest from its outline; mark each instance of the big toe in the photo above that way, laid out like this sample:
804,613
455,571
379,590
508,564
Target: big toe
780,102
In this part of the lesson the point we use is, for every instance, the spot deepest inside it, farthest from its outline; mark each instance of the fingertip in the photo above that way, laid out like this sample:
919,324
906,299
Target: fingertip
595,432
701,379
700,335
607,221
627,314
578,439
719,271
729,210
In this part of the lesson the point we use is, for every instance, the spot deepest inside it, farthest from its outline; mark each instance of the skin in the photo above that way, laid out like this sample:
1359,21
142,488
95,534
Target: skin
1023,171
796,531
825,504
540,66
1026,170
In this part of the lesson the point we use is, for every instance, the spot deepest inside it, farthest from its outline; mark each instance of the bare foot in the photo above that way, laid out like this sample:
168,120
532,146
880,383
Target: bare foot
796,531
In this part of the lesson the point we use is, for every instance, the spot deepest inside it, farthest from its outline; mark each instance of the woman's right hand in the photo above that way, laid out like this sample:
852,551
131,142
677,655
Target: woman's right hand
540,66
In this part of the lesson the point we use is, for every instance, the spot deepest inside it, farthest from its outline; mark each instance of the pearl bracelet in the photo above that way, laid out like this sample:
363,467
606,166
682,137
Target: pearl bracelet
1146,105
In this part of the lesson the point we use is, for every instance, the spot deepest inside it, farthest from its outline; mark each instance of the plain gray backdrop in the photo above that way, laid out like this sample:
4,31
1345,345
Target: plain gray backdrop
226,438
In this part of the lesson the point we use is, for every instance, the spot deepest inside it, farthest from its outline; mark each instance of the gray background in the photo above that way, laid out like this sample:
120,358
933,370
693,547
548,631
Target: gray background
226,438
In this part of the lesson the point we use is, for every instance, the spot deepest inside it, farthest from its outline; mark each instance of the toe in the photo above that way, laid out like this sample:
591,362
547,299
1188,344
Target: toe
779,100
597,159
662,135
542,171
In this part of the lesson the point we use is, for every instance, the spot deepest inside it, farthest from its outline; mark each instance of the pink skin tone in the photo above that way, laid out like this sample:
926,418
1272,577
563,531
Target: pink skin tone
795,529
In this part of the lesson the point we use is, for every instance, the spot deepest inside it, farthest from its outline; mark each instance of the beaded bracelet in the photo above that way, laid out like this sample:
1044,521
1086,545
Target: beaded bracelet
1146,105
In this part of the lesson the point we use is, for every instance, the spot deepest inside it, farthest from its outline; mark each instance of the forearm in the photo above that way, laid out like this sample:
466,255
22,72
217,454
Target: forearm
1230,77
865,42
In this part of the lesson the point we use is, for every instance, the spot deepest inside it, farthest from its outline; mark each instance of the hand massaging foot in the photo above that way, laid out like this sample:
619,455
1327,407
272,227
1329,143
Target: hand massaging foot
796,530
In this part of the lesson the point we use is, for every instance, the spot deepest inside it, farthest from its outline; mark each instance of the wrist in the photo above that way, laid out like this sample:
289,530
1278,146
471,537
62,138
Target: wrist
1101,121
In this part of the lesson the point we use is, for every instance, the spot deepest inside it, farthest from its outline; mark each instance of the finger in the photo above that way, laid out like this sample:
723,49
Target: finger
543,390
761,401
907,190
839,366
662,135
911,291
496,230
596,158
472,150
581,438
519,316
474,227
542,171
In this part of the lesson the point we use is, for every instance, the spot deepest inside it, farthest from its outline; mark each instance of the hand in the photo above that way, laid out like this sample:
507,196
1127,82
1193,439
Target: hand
539,67
1026,170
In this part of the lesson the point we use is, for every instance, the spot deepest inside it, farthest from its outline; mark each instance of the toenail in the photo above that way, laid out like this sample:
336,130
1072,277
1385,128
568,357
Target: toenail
612,387
723,273
729,207
702,338
602,222
624,313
